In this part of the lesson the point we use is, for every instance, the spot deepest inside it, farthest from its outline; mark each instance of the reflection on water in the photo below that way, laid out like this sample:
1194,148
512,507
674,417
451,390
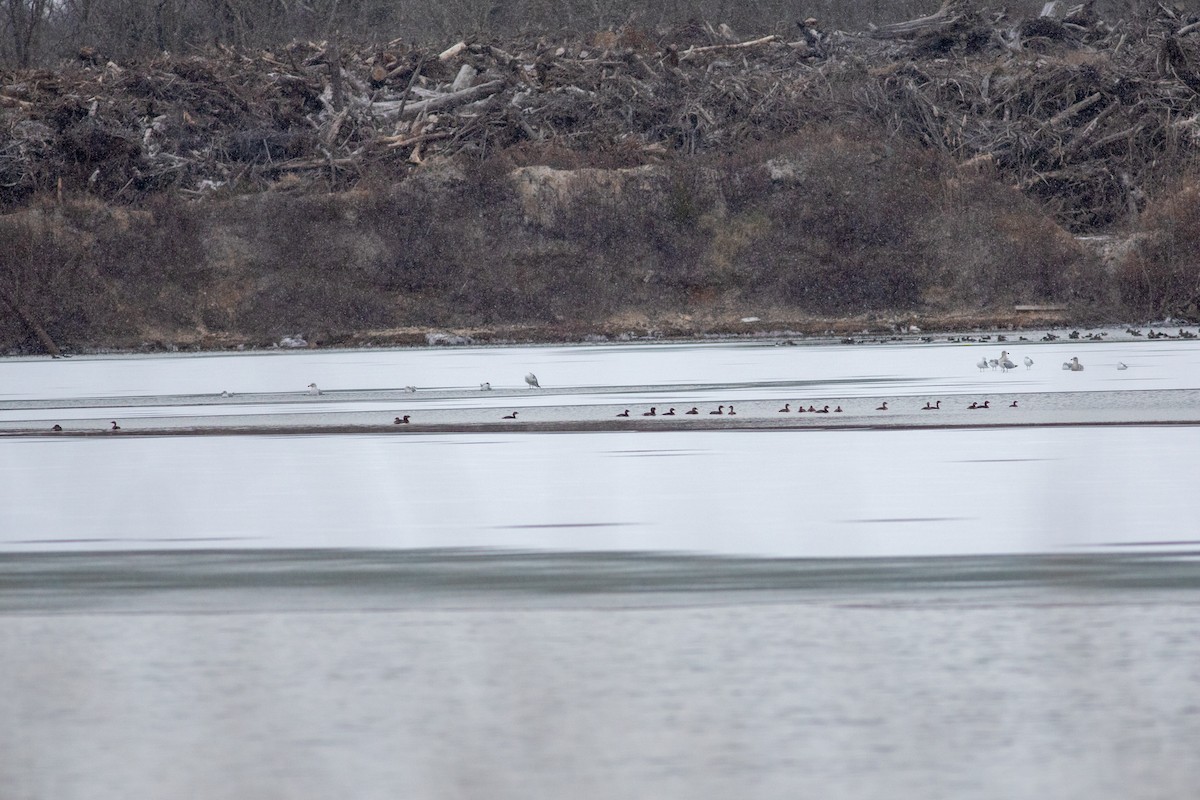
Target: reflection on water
489,675
761,493
710,614
239,581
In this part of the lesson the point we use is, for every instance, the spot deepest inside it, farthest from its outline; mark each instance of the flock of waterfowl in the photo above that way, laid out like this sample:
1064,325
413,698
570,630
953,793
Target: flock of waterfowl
1003,362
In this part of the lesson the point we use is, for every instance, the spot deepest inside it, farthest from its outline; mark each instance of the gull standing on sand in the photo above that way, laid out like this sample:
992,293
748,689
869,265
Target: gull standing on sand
1122,365
312,389
983,364
1005,363
531,379
485,387
1028,362
1073,365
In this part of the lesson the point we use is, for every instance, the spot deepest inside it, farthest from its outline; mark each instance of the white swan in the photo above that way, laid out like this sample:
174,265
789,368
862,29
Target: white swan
531,379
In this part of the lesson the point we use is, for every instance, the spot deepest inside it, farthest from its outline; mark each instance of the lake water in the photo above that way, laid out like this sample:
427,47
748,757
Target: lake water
949,612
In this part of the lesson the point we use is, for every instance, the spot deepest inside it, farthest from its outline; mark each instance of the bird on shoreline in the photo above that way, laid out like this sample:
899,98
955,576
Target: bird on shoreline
1005,363
532,380
982,364
312,389
1028,362
513,415
400,420
1122,365
485,387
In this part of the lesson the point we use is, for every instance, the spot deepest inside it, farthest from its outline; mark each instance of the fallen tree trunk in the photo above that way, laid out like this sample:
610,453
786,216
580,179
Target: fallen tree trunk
19,311
399,108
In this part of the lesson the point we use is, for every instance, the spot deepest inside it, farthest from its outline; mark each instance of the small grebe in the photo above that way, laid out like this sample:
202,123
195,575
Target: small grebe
510,416
400,420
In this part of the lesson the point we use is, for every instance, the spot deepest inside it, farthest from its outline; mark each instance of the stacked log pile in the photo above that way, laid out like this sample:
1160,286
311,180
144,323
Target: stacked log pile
1088,115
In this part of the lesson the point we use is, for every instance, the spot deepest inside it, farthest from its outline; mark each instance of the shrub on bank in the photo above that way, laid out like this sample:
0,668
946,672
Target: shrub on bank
1160,274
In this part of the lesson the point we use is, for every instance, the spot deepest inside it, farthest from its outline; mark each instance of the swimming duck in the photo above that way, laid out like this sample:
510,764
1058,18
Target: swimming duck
1013,404
485,387
812,410
837,410
824,410
670,413
400,420
693,411
731,412
57,428
800,410
531,379
653,410
115,426
880,408
624,413
1005,362
510,416
973,406
312,389
410,388
720,410
936,407
787,409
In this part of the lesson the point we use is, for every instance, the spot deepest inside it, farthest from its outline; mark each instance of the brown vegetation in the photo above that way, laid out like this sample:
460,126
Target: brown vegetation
928,167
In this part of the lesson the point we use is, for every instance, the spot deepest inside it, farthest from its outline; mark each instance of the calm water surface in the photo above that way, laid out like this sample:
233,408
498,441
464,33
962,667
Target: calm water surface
842,614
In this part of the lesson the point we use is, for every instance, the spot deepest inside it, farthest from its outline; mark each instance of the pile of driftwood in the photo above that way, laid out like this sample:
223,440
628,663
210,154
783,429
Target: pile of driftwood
1086,114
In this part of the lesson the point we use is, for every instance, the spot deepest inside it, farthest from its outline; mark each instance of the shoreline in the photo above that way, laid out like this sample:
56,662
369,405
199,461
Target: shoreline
899,328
